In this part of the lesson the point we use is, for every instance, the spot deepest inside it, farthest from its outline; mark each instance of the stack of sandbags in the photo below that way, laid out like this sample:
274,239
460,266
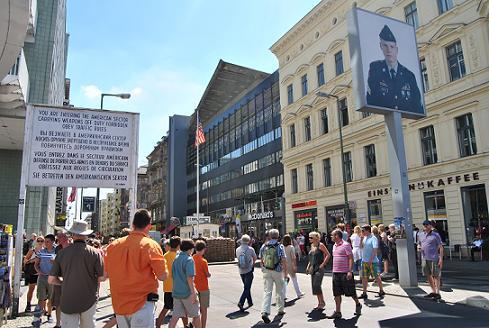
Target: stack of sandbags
220,250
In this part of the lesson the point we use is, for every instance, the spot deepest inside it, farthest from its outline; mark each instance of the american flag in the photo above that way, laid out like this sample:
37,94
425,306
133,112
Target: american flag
199,135
72,196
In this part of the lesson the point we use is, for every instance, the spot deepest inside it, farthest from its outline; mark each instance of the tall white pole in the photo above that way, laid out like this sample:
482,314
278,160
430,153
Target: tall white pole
198,173
21,210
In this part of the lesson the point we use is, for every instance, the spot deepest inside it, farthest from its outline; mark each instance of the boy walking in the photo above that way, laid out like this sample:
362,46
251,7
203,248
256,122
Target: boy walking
370,261
202,276
173,244
185,302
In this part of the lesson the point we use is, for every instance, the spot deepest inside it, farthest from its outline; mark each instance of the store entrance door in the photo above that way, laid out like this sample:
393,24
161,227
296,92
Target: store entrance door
475,212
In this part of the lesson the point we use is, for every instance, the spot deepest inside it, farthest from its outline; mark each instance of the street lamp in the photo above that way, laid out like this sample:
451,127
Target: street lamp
346,207
118,95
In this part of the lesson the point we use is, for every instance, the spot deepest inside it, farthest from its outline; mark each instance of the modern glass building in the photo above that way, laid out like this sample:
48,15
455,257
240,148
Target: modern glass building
241,174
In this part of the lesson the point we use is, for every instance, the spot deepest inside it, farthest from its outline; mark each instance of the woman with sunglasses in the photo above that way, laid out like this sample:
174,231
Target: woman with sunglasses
30,270
318,258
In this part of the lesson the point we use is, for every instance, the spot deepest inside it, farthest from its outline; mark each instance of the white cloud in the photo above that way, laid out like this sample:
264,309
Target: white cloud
91,91
136,91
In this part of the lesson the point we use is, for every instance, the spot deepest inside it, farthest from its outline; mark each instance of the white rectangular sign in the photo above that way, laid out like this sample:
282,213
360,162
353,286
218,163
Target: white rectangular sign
73,147
385,65
189,220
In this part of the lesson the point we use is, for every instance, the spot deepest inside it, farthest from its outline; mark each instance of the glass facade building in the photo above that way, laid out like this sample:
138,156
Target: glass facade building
241,174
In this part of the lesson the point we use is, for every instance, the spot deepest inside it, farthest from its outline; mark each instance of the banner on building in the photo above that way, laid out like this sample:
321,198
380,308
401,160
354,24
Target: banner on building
385,65
75,147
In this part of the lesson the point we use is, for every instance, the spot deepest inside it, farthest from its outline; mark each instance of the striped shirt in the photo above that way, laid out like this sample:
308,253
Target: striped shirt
341,253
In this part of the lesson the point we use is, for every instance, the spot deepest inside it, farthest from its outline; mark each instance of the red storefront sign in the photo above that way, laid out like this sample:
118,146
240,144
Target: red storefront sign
305,204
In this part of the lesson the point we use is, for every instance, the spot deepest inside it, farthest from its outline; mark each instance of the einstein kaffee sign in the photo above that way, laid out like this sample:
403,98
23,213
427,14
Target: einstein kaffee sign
81,147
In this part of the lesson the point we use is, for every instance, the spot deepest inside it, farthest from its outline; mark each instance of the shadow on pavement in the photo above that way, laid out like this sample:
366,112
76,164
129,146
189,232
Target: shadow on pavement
346,323
291,302
276,322
374,303
439,314
237,314
316,315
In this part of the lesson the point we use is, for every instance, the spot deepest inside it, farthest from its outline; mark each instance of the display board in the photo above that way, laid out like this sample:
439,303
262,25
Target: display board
81,147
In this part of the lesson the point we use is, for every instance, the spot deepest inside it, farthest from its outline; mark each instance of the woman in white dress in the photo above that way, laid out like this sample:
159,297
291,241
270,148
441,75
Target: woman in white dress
356,244
290,254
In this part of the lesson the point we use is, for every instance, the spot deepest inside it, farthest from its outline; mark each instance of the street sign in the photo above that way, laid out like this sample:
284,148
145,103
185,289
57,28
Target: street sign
77,147
88,204
190,220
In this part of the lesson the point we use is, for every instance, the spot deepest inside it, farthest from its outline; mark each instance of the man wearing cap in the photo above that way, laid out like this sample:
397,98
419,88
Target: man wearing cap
432,254
390,84
81,267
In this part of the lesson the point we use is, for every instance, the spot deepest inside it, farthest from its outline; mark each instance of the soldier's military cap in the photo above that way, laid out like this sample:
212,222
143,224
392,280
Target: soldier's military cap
386,34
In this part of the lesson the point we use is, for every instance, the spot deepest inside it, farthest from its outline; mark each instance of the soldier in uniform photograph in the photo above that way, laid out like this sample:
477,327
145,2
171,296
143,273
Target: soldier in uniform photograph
390,84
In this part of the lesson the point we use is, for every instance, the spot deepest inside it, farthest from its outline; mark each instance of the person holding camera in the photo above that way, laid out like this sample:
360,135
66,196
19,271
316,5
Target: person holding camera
135,288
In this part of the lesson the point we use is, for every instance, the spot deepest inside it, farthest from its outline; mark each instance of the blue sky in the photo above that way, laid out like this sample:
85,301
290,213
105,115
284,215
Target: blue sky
164,52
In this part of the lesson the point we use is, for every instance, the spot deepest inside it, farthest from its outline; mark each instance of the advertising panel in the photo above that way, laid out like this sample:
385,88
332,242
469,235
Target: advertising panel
81,147
385,65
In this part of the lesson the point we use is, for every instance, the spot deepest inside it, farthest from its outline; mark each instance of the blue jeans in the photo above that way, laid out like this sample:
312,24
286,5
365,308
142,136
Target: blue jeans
247,279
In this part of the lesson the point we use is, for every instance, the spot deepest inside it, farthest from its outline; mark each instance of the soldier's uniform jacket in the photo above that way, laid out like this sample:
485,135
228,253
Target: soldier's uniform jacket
401,92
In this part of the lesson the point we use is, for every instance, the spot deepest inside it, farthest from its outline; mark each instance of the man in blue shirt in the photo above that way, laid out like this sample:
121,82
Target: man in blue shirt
274,268
43,265
370,261
185,302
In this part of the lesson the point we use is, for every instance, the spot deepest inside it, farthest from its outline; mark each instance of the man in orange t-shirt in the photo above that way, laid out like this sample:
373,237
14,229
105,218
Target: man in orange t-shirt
201,280
134,264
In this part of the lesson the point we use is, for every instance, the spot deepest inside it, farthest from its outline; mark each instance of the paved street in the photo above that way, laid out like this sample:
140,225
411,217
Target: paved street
400,308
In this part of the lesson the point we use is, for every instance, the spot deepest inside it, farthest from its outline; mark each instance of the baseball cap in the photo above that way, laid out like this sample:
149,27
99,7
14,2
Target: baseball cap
427,222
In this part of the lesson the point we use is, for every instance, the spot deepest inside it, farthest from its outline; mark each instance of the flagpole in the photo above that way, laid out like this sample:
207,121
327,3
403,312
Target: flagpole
198,173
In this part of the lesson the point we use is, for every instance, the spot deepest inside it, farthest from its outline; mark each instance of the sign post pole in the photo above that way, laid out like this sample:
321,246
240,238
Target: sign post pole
21,211
401,199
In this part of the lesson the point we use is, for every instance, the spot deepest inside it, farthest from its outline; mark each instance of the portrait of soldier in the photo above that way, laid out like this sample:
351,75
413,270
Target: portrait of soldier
391,84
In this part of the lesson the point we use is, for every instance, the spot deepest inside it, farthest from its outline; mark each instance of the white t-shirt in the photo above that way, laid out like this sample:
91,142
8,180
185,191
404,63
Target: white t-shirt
355,243
301,240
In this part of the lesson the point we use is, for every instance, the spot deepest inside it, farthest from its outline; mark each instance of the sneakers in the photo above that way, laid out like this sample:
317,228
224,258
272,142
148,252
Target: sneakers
28,308
265,318
437,297
430,295
381,293
363,296
335,315
358,309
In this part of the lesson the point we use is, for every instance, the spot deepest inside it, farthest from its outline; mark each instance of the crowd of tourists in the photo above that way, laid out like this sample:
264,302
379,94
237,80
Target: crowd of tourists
67,270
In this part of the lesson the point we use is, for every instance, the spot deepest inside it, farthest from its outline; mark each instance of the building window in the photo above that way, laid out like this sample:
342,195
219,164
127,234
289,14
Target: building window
307,128
374,212
320,73
293,174
327,172
348,167
324,121
455,59
428,145
292,135
310,178
290,94
424,73
436,210
411,14
371,164
304,84
444,5
466,135
343,109
338,59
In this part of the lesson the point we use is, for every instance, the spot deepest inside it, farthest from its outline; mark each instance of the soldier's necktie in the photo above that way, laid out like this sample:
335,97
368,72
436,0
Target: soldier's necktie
393,73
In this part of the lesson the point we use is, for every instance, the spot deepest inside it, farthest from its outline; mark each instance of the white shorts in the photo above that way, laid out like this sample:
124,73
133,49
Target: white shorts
144,318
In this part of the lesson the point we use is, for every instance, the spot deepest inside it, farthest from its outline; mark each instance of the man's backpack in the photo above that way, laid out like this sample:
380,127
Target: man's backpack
270,256
244,260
